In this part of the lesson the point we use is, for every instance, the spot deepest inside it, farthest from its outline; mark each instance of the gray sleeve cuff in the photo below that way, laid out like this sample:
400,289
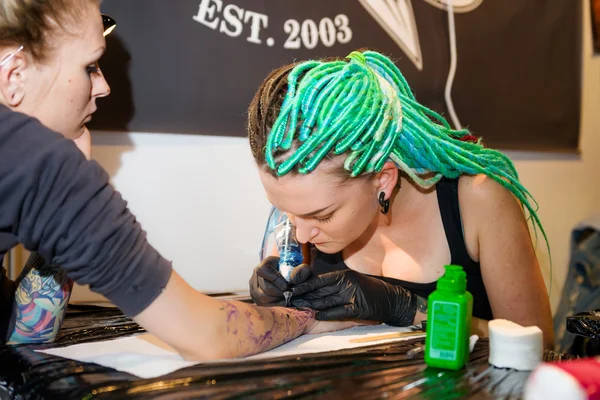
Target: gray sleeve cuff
136,292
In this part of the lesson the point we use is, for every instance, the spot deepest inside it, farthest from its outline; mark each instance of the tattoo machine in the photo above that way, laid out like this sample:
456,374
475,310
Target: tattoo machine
290,251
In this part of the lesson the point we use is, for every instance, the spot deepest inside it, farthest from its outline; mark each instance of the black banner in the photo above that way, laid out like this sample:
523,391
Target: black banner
192,66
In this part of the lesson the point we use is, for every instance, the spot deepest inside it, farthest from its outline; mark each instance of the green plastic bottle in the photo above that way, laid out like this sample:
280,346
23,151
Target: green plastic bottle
450,308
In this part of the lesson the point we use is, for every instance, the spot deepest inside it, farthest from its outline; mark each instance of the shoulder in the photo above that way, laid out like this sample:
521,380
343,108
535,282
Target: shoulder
484,193
21,131
37,159
487,205
486,208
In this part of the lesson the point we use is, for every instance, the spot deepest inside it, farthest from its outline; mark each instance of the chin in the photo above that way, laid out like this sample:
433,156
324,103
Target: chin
329,248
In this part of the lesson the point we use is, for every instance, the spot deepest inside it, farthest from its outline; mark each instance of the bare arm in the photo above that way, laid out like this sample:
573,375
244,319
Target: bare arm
509,266
478,326
203,328
59,204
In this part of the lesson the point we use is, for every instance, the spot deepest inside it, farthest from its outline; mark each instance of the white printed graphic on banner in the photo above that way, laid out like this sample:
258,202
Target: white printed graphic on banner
234,20
397,18
460,6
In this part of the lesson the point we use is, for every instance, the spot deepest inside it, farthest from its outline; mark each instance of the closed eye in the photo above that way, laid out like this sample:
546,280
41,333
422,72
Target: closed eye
325,219
92,69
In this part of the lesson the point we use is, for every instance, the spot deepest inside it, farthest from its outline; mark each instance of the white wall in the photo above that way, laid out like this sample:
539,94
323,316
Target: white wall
568,191
202,204
198,197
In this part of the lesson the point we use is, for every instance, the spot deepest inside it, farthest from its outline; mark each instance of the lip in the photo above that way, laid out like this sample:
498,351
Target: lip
89,116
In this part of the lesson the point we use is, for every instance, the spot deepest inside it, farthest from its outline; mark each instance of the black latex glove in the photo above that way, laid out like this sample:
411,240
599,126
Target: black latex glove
267,284
348,294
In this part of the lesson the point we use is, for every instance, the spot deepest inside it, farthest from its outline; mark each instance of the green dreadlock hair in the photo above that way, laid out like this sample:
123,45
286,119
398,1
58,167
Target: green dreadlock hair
363,107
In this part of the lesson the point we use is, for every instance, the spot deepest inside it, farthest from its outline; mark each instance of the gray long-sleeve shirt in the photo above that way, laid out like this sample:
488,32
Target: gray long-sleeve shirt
55,202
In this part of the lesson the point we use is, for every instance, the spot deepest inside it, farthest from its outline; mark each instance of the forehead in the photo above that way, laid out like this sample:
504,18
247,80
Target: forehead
303,194
86,37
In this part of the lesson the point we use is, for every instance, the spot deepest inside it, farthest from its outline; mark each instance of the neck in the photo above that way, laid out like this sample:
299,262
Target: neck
406,205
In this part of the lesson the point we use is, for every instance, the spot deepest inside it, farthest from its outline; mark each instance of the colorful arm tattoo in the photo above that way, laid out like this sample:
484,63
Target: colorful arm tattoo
252,330
41,300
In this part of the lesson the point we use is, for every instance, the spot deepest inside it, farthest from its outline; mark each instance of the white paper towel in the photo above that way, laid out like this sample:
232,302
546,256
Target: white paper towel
147,357
515,346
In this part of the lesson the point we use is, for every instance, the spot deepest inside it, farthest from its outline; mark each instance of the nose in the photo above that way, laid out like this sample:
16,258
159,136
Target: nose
304,230
100,87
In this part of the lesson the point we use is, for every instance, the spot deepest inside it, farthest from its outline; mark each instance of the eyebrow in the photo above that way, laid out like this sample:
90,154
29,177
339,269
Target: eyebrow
103,48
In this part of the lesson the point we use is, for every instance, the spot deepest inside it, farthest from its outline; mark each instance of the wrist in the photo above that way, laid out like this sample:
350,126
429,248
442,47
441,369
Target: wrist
306,319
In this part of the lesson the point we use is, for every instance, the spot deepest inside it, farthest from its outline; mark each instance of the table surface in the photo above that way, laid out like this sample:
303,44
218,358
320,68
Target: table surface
374,372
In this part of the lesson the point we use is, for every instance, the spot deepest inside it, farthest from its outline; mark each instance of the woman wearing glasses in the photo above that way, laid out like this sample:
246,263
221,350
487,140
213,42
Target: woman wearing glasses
59,204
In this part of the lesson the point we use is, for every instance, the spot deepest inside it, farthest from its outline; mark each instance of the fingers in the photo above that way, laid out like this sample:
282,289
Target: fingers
262,290
268,268
300,274
336,313
268,288
323,292
304,271
267,301
268,271
317,282
323,303
260,297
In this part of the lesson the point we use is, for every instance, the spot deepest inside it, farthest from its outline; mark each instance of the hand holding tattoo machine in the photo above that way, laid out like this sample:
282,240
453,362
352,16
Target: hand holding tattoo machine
290,251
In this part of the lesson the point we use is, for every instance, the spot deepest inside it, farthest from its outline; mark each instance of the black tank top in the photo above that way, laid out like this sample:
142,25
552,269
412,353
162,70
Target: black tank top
447,194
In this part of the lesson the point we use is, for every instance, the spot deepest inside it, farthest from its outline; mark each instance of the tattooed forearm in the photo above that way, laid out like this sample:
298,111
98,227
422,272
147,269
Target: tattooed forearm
422,304
40,304
253,330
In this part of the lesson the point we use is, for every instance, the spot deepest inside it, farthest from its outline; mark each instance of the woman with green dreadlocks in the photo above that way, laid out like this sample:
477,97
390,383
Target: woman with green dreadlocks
338,141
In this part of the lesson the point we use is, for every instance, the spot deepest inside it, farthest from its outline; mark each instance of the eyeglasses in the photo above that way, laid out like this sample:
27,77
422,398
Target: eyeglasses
109,25
9,57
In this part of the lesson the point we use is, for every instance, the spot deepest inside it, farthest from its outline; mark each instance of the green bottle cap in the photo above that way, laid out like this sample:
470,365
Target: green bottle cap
454,280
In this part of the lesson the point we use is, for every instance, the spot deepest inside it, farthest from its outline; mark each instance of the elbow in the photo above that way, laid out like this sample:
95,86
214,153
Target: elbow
212,348
549,338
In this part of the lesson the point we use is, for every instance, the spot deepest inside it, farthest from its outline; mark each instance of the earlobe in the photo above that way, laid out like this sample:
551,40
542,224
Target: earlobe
15,97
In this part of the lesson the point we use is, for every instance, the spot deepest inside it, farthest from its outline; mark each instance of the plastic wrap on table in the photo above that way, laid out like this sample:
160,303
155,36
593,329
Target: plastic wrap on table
586,324
373,372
